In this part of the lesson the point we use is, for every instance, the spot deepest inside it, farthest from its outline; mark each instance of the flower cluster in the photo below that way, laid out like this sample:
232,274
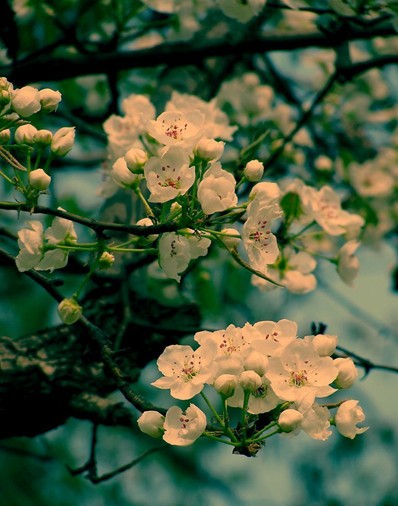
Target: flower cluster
18,135
274,377
175,164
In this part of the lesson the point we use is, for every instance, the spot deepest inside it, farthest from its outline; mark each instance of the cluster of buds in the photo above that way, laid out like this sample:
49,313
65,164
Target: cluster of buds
39,145
266,371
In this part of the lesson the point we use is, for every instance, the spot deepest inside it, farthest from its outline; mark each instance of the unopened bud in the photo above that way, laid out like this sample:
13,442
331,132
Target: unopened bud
121,175
69,311
25,134
225,385
348,373
136,159
106,260
325,344
26,101
209,149
39,180
43,137
254,171
250,381
5,136
63,140
49,99
289,420
146,222
151,423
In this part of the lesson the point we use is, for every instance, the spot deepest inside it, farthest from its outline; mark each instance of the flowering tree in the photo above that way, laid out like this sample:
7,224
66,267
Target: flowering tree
212,149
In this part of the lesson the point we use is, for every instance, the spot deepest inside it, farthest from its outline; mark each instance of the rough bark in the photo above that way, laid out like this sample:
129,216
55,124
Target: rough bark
47,377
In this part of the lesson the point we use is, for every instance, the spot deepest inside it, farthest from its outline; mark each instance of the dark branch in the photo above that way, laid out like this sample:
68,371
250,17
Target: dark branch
179,54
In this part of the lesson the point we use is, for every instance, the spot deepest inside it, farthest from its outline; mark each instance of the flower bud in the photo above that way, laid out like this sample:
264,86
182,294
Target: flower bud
25,134
5,97
256,362
250,381
254,171
151,423
289,420
135,160
69,311
209,149
106,260
26,101
175,206
63,140
5,84
225,385
348,373
39,180
325,344
323,163
231,242
121,175
147,222
5,136
43,137
49,99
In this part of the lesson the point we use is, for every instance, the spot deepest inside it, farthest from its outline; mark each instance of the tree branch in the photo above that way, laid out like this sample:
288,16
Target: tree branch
180,54
97,226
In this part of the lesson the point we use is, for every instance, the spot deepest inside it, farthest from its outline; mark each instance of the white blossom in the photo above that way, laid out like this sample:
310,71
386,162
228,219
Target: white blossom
216,191
259,241
184,428
300,371
216,122
169,176
176,128
176,251
184,370
347,416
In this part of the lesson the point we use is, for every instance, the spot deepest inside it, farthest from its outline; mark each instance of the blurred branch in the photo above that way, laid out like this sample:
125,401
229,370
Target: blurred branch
179,54
366,363
97,226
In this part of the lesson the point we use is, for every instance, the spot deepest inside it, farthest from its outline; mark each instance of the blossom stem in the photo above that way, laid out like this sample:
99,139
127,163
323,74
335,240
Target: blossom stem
226,429
11,160
218,233
234,254
215,438
147,207
292,237
255,436
277,431
6,177
132,250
